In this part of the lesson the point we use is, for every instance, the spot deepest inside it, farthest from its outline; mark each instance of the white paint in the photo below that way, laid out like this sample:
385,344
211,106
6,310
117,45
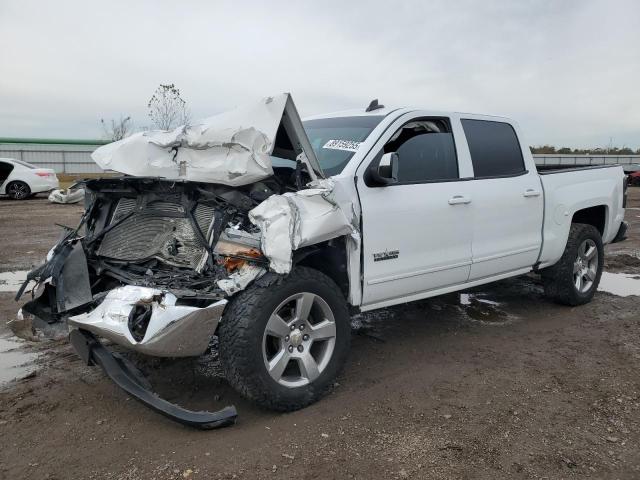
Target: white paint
68,195
239,279
110,319
299,219
233,148
11,281
620,284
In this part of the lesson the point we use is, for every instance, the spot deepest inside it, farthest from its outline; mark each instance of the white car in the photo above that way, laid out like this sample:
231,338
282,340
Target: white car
20,179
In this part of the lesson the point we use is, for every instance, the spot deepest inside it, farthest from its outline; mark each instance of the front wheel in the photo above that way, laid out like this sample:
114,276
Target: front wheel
284,340
575,278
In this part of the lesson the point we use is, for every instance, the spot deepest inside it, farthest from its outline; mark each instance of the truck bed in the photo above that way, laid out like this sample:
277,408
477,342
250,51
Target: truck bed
564,195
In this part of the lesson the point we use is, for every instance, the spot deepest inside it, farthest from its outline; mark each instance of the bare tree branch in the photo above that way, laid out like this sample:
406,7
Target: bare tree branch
117,129
167,109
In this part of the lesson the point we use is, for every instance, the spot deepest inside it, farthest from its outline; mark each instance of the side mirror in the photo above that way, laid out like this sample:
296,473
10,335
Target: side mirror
387,171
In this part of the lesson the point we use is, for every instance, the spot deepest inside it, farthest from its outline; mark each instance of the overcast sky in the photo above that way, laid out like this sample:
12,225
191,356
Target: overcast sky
568,71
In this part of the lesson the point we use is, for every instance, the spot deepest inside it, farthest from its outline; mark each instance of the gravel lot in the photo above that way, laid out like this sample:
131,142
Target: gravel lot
497,384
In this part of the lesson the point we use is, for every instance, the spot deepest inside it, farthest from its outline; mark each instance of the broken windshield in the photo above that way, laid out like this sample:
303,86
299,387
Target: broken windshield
335,140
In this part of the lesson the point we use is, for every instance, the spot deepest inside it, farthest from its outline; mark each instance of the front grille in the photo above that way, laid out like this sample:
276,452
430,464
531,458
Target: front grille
158,231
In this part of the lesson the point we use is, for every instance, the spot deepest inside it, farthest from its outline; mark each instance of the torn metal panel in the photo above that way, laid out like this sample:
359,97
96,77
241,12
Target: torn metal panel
170,330
69,195
299,219
240,279
233,148
275,219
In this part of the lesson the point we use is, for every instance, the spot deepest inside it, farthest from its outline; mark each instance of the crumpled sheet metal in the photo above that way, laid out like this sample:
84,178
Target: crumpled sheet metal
68,195
233,148
239,279
299,219
173,331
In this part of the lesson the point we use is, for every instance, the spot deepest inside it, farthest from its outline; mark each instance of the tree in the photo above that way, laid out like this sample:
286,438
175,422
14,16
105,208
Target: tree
117,129
167,109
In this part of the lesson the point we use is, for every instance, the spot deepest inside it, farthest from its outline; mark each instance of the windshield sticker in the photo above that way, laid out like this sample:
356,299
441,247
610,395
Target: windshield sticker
346,145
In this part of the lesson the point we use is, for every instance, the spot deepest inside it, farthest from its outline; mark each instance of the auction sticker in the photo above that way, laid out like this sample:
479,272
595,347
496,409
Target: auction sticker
346,145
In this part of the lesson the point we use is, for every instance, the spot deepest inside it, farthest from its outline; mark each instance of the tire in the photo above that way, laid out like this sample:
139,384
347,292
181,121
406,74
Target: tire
584,247
252,339
18,190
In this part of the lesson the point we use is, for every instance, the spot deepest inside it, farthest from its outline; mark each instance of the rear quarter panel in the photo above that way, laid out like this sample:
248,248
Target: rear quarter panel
565,193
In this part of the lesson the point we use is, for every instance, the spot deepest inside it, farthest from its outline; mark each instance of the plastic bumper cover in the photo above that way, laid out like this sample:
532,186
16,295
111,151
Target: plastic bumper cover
164,329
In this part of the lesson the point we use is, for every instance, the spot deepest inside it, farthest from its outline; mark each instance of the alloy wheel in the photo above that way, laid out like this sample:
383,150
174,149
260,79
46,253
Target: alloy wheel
299,340
18,190
585,267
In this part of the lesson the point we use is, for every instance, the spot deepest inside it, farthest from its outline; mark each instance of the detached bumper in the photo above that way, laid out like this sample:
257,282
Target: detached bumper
127,377
148,321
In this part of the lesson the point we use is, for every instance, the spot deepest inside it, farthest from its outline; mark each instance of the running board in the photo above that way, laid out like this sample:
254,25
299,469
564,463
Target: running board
130,379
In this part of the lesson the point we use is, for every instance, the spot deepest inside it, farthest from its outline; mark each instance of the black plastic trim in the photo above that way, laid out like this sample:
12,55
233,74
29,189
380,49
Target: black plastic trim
463,179
543,171
622,233
131,380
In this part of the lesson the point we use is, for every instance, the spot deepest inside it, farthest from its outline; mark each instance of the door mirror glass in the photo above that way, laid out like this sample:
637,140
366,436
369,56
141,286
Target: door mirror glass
387,171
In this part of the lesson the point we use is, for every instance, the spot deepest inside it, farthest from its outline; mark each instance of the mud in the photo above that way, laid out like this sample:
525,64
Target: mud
496,382
15,361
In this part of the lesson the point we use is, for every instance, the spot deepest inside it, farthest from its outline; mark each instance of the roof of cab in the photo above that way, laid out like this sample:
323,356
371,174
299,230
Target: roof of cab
398,111
359,112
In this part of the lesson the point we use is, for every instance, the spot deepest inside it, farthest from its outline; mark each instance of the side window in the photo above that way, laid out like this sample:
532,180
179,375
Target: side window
426,151
494,148
5,170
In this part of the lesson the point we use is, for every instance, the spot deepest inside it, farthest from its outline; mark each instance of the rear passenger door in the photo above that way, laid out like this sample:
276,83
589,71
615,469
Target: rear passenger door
507,206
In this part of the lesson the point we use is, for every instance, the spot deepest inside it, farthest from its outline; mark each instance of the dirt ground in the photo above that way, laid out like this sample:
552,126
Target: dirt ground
498,384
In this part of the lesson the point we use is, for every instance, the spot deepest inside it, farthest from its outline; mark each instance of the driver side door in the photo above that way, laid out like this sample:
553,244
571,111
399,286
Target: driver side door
416,232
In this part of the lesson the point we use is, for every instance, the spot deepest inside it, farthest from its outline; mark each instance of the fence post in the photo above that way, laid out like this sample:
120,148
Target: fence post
64,162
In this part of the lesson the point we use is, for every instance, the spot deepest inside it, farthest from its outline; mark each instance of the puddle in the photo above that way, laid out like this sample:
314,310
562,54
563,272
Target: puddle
482,309
620,284
373,324
15,362
11,281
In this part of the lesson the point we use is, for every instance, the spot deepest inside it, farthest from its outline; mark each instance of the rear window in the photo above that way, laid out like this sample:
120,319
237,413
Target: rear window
24,164
494,147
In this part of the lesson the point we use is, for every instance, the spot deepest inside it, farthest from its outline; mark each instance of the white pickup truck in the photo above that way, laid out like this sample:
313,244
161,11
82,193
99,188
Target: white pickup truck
270,235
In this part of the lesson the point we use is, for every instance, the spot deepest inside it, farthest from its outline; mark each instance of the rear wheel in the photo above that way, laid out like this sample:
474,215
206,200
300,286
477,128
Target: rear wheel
283,342
575,278
18,190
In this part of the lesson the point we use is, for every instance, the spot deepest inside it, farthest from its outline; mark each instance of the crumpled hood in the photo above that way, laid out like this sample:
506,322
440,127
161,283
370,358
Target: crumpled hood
233,148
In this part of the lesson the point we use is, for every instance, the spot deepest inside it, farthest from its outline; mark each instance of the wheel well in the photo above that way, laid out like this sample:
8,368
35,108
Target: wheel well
329,258
595,216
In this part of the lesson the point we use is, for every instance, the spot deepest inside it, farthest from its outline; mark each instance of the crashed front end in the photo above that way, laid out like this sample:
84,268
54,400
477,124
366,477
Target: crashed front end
152,262
155,259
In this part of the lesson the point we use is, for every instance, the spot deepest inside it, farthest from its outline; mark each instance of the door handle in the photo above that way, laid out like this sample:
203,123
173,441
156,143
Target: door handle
459,200
530,192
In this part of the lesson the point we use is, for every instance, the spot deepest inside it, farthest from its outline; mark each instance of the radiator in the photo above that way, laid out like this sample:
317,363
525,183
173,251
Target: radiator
161,230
